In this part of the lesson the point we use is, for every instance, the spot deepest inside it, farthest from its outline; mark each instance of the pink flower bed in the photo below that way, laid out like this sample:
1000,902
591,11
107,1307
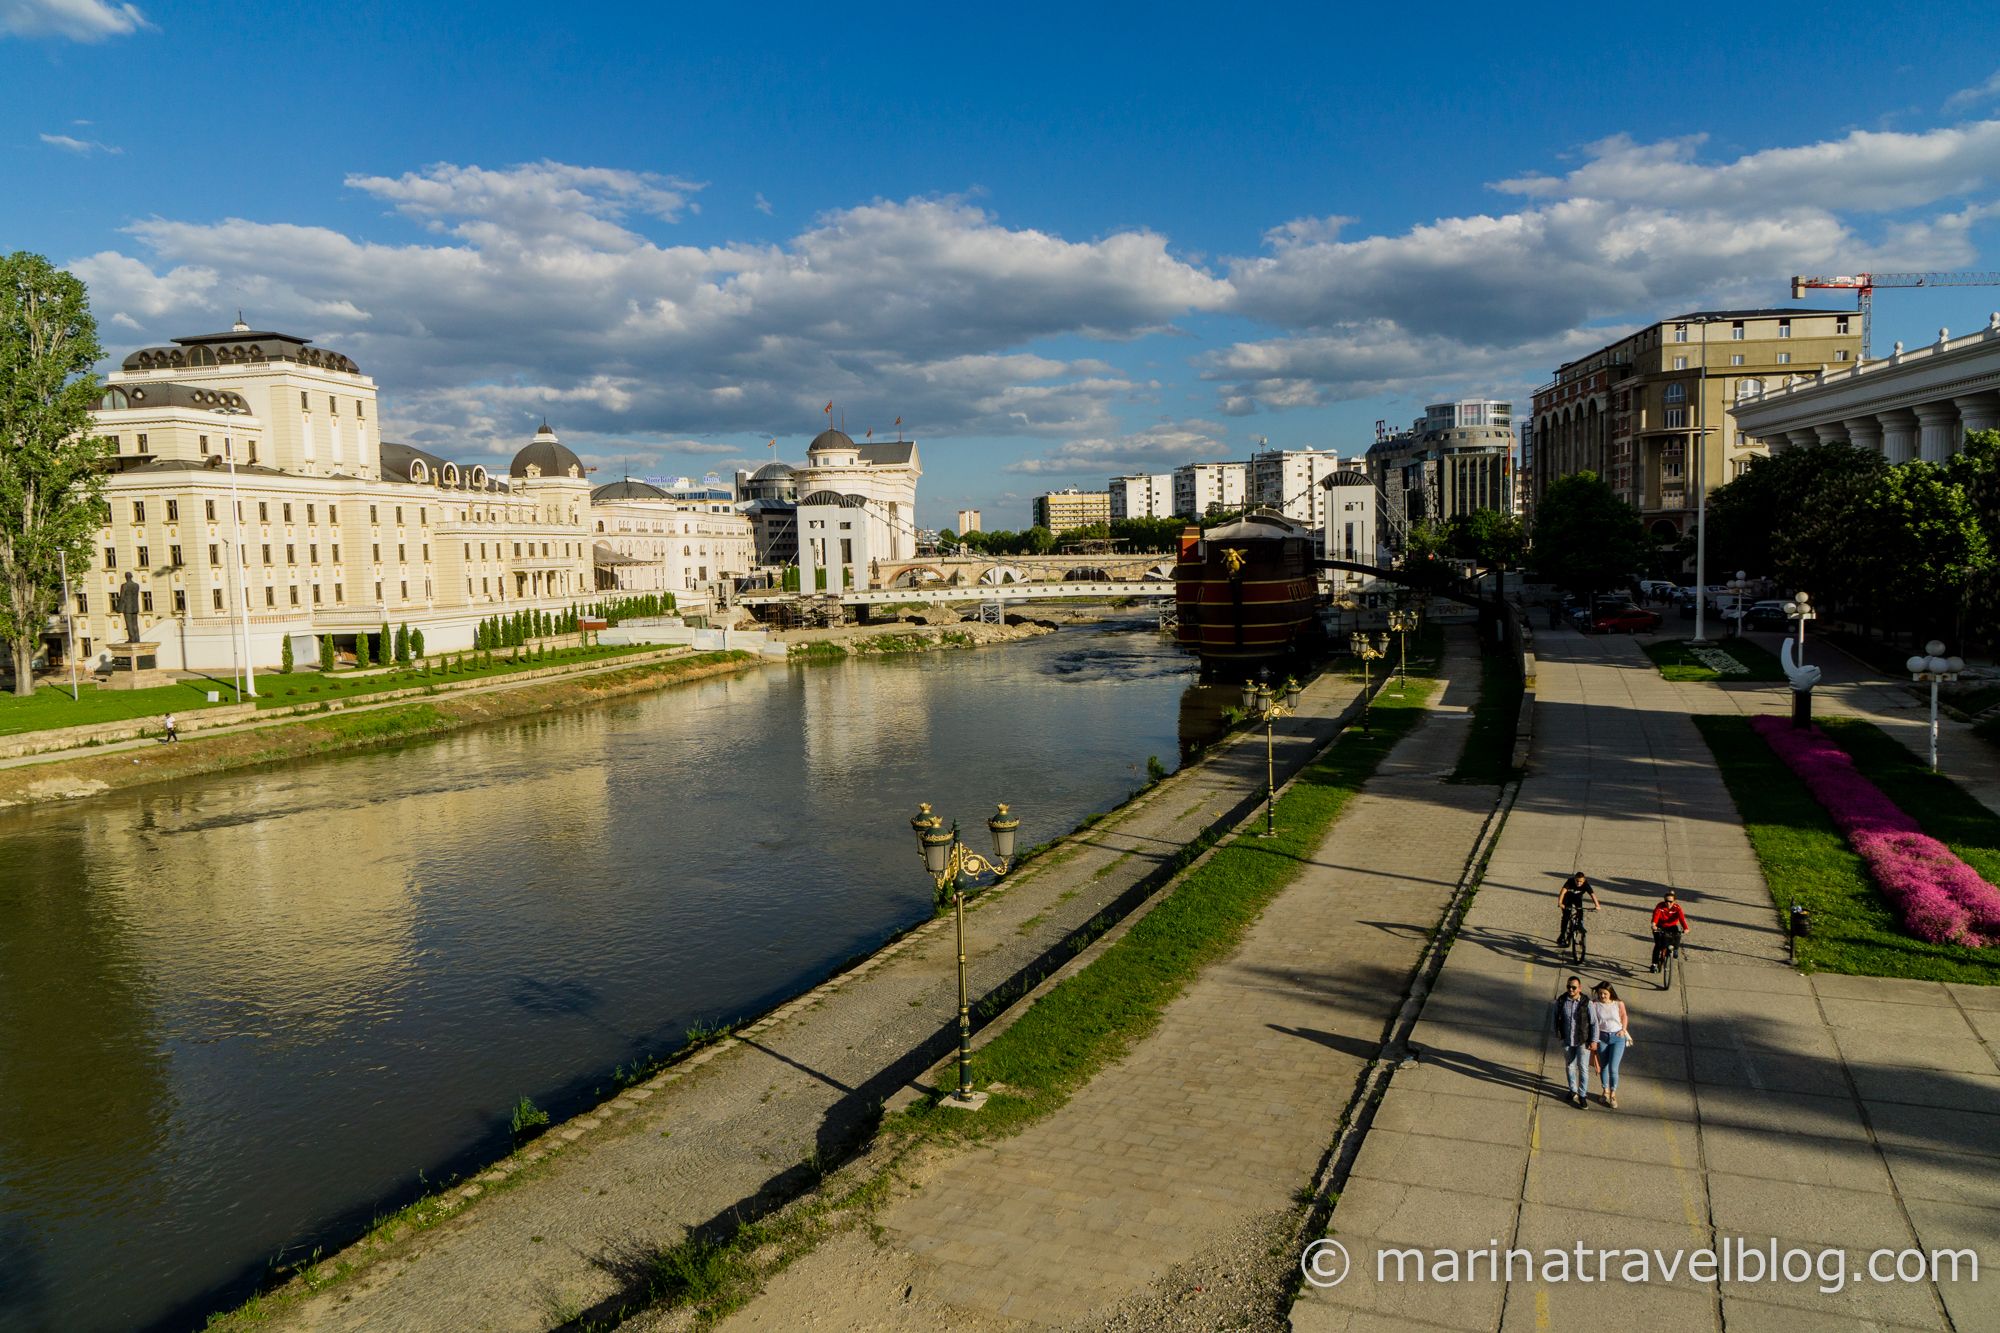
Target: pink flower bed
1940,898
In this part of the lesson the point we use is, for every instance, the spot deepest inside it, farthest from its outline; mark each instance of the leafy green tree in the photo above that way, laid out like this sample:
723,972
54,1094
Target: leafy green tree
1040,541
326,657
360,651
1899,544
1750,517
402,645
417,644
1585,538
51,484
385,646
285,662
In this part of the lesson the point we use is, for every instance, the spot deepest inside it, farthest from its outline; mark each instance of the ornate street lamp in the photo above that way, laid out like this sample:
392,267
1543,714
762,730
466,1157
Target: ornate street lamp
948,862
1402,622
1368,650
1793,658
1800,608
1261,701
1934,667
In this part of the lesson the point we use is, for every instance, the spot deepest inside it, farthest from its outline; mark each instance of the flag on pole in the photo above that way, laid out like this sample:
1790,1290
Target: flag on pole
869,434
899,421
829,407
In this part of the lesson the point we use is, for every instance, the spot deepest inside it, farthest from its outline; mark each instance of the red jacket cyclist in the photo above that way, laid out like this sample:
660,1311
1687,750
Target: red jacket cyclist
1669,924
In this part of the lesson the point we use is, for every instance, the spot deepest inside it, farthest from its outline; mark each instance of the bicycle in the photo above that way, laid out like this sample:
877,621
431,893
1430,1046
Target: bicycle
1669,949
1573,936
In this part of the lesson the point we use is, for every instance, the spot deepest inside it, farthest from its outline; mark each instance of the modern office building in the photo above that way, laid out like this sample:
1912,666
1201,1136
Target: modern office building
968,521
1201,489
1456,458
1063,511
1637,410
1288,481
1348,523
1142,495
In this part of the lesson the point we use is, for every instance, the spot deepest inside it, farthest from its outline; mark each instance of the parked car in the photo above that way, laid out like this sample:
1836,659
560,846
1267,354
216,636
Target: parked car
1766,615
1658,587
1627,619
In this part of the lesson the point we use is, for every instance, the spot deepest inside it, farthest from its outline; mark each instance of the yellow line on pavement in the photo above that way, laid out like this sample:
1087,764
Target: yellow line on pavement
1541,1308
1694,1222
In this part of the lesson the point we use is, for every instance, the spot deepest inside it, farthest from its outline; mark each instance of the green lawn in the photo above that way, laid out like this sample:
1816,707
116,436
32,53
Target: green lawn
1091,1018
50,706
1806,860
1677,661
1488,757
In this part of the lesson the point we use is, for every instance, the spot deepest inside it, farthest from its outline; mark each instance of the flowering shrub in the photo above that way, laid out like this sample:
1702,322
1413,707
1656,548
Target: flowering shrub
1939,897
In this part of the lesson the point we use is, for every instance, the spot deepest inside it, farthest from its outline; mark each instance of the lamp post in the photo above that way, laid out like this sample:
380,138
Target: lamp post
1800,609
1402,622
248,686
69,627
1934,667
1368,650
1701,490
1260,698
948,861
1736,587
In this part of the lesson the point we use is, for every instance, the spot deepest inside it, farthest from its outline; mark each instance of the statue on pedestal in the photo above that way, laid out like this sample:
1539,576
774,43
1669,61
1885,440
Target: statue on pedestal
128,606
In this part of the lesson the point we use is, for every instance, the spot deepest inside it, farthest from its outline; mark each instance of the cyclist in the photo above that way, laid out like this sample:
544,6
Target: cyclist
1669,924
1569,901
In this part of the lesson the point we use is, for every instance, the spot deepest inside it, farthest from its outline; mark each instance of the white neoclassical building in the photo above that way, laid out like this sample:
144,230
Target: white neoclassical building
1916,403
883,477
646,540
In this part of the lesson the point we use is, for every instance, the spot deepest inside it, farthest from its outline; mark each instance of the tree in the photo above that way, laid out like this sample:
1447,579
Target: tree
51,482
1585,537
402,645
417,644
1899,544
1490,540
385,646
1748,519
326,658
360,651
285,662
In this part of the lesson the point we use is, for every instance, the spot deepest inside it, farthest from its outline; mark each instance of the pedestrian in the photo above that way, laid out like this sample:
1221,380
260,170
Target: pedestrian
1576,1028
173,729
1614,1035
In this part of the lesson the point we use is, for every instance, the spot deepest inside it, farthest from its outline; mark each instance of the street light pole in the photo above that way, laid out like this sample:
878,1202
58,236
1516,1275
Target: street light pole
69,627
1934,667
1701,491
1261,697
247,687
1367,650
948,862
1402,622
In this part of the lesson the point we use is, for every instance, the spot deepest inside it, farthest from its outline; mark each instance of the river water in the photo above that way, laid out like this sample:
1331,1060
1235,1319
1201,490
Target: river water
242,1015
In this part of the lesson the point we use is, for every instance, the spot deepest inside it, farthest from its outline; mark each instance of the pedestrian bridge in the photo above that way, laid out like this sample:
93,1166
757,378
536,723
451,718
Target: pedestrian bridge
971,592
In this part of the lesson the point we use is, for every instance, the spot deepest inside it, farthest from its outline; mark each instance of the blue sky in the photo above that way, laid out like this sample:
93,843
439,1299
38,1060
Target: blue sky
1059,245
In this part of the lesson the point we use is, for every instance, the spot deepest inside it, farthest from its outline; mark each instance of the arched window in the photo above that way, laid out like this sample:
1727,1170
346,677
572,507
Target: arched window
1748,388
1676,393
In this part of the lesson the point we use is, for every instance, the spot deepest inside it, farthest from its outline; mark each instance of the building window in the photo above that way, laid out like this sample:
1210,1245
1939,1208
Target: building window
359,414
336,553
1840,324
215,598
400,557
406,590
312,552
427,552
315,594
173,511
146,602
332,405
517,550
423,514
142,442
1680,333
333,516
263,512
144,559
291,554
180,601
251,445
288,511
305,403
1784,358
1736,330
338,595
309,513
293,593
1736,358
214,554
174,556
376,547
116,445
208,508
1784,328
138,511
270,596
399,513
204,445
1680,363
1840,355
267,553
1676,393
378,590
371,513
83,604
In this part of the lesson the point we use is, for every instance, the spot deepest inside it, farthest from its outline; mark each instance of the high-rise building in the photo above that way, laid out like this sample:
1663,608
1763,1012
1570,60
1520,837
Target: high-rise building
968,521
1635,411
1201,489
1142,495
1061,511
1288,480
1456,458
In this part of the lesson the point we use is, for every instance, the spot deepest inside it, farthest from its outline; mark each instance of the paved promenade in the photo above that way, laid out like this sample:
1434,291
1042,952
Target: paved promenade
1755,1104
1211,1124
726,1135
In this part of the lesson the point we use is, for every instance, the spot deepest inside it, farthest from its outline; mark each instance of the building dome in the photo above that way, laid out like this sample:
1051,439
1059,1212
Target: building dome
773,471
545,456
831,441
1346,477
628,489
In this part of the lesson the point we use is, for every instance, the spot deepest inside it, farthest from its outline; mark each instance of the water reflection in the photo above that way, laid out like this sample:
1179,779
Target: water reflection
245,1012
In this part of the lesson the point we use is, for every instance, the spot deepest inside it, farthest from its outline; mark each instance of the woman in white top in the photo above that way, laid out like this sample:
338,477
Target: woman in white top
1614,1034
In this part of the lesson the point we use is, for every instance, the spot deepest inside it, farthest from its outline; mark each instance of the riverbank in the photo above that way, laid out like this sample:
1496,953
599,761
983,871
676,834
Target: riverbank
881,640
745,1124
350,728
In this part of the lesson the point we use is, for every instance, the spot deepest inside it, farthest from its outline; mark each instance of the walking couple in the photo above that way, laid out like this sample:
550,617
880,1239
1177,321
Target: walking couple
1595,1031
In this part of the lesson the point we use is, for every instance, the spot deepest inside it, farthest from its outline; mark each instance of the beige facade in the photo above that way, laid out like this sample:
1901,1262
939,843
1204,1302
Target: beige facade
1635,412
655,543
1061,511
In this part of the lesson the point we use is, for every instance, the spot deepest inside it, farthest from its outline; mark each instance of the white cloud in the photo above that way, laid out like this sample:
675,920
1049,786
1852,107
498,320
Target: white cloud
1967,98
763,205
77,20
84,147
533,294
1158,448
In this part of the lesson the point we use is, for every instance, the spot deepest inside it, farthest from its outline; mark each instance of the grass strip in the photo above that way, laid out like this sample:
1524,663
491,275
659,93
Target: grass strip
1093,1017
1488,757
1805,860
1677,661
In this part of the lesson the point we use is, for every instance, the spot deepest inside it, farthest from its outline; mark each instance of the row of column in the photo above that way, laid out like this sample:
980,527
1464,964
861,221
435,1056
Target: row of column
1930,431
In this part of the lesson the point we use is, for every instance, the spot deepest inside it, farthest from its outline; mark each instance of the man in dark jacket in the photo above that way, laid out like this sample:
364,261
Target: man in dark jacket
1576,1029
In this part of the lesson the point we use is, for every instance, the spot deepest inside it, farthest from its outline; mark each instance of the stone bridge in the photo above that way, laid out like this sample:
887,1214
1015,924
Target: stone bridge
963,570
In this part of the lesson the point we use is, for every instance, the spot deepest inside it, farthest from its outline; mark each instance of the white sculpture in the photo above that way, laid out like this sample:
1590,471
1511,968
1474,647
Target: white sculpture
1802,676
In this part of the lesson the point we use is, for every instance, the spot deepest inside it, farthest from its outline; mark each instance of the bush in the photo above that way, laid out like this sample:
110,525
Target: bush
360,651
528,1119
402,645
417,644
326,657
285,656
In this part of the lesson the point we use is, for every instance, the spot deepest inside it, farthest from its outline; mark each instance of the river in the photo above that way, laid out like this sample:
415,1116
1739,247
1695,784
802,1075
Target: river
247,1013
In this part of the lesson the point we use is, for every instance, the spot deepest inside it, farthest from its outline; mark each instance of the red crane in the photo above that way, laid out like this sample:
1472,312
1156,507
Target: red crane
1864,285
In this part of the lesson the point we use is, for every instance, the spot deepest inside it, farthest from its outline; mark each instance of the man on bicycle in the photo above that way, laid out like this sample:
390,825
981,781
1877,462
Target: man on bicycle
1569,900
1669,924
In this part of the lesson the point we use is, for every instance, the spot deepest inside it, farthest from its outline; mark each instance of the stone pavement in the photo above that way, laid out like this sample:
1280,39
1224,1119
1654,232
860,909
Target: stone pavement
725,1134
1756,1103
1219,1116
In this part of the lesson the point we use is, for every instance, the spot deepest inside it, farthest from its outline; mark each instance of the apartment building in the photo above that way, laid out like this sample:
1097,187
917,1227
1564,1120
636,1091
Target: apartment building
1061,511
1288,480
1142,496
1201,489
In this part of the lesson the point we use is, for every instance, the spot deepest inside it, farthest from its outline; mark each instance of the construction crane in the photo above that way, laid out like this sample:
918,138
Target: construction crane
1864,285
